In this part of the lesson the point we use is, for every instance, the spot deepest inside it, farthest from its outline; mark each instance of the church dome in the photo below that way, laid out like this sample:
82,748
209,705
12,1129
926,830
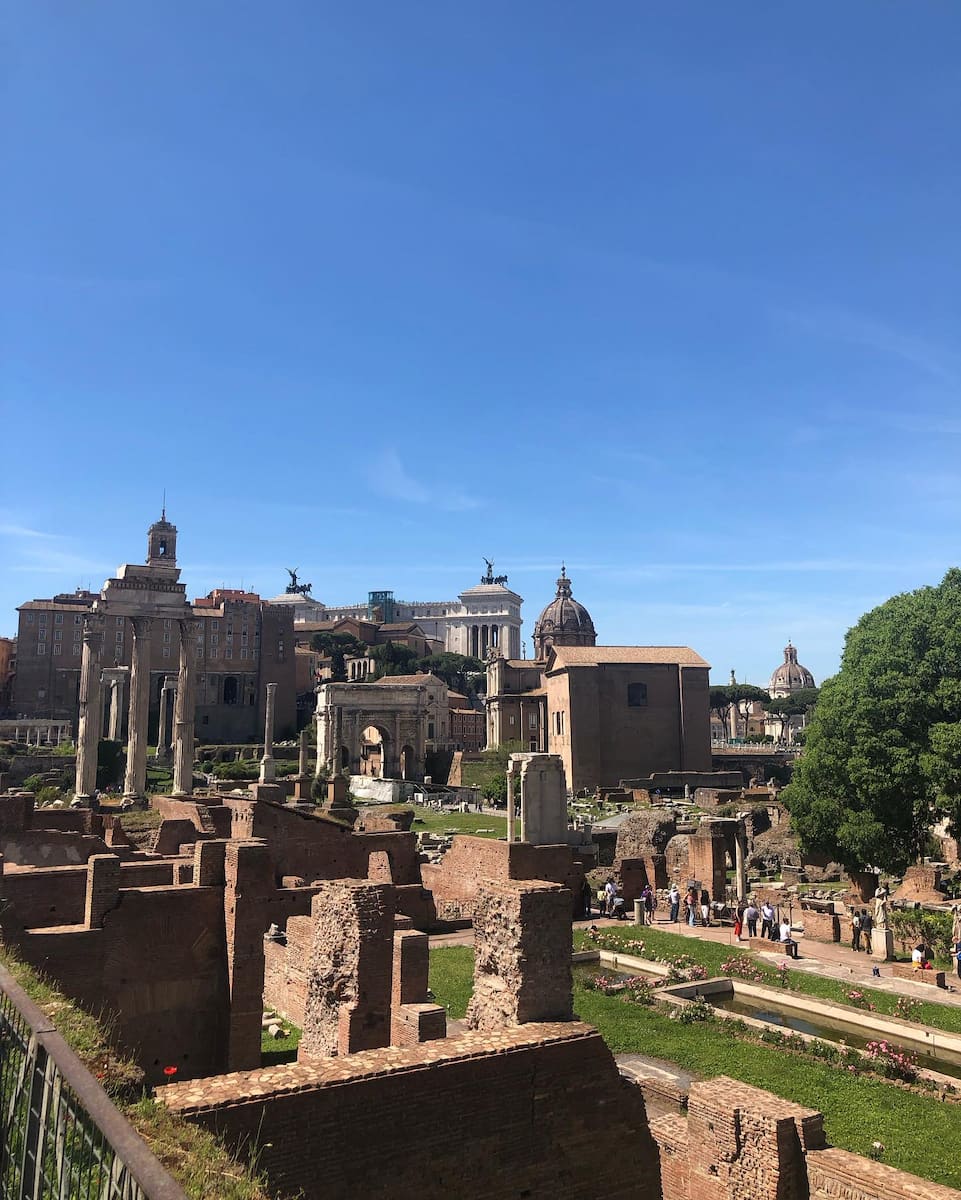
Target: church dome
564,622
790,676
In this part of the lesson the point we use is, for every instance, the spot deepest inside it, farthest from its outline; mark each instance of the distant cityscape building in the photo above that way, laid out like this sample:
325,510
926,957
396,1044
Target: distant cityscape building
240,645
790,676
564,622
484,617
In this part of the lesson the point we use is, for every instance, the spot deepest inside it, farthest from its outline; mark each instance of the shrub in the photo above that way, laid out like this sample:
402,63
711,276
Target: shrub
908,1009
49,795
695,1010
892,1061
739,966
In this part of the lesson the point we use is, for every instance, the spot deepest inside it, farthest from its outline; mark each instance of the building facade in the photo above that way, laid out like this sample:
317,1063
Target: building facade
240,645
484,617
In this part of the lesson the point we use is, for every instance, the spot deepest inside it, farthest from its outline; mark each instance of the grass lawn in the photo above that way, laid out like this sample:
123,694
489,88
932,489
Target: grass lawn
857,1110
428,820
712,955
279,1050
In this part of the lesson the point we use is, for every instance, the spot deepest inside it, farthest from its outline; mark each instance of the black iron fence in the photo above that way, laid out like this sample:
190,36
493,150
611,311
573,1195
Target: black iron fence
60,1136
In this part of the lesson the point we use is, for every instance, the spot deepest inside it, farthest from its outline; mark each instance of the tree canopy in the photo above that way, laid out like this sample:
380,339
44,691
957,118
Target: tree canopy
882,761
783,708
723,699
460,672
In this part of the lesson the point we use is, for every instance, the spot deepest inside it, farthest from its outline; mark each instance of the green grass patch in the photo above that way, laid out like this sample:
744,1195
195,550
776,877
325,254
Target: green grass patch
429,820
711,955
279,1050
452,978
857,1109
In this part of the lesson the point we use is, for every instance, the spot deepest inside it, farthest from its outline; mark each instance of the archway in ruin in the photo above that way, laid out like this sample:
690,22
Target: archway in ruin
408,763
374,752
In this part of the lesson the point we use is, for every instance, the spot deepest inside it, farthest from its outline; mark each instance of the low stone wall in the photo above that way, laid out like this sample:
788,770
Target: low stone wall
821,926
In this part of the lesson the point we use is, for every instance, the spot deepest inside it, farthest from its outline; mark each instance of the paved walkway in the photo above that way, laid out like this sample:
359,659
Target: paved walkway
833,960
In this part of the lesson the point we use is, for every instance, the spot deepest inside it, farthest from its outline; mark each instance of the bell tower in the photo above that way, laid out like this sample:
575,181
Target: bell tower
162,543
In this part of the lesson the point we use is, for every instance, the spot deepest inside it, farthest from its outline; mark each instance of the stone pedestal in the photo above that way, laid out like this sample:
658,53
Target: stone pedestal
543,797
882,944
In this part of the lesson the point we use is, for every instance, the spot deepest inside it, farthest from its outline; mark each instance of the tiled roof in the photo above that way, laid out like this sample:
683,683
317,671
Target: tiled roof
408,679
589,656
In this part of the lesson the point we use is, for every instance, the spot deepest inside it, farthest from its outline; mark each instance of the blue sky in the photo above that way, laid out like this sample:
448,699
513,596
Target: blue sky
669,291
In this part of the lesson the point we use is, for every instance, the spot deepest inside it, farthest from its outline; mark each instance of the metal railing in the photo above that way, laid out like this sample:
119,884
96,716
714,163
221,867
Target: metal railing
61,1138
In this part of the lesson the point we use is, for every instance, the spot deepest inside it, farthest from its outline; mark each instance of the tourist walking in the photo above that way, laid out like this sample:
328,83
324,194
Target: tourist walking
587,895
649,903
767,920
751,915
674,899
610,893
856,930
957,956
867,925
705,908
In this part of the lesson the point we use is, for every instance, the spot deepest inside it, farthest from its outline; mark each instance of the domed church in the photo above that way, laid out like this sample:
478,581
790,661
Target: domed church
564,622
790,676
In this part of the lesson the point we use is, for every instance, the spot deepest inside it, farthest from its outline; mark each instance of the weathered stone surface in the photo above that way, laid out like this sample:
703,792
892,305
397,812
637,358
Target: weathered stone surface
522,955
350,973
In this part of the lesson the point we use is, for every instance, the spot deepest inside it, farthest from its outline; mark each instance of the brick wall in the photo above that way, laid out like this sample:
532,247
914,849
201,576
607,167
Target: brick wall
538,1111
821,926
473,860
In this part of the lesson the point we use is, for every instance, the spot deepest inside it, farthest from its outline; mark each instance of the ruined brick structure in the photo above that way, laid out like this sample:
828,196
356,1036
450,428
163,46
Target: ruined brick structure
472,861
522,955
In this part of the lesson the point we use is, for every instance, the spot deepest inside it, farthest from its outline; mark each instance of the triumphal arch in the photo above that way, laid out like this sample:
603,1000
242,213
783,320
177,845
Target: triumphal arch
409,714
141,593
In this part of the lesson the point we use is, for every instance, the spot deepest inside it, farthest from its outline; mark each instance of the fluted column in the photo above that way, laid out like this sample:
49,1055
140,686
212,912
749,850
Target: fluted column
268,770
91,708
135,781
184,708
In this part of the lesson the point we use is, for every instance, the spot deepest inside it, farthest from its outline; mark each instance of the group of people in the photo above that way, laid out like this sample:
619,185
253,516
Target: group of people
862,926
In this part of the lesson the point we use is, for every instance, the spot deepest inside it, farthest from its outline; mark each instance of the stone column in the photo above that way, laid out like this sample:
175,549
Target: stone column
302,772
740,865
135,781
323,739
116,717
163,727
268,770
510,800
184,713
91,708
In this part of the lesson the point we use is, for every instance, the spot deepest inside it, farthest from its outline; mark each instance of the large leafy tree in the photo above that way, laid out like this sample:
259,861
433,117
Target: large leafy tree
798,704
459,672
723,699
883,750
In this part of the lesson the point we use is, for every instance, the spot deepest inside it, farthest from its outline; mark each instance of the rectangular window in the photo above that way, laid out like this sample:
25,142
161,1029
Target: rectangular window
58,619
58,635
166,622
532,720
215,624
214,639
78,620
29,618
243,652
119,637
228,653
512,718
41,647
214,652
120,622
57,647
166,636
165,652
41,634
636,695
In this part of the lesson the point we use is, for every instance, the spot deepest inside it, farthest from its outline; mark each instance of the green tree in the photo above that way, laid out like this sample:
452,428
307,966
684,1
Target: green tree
723,699
460,672
798,704
336,646
882,759
393,658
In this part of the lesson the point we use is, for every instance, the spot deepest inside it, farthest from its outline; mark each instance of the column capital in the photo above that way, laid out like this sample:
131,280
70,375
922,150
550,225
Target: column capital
142,626
93,623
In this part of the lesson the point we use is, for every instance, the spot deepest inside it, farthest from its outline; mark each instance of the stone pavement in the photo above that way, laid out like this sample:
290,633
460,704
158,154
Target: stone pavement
833,960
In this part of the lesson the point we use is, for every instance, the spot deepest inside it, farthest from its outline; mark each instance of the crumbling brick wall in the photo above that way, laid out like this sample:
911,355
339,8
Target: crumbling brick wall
538,1111
347,1005
522,955
640,855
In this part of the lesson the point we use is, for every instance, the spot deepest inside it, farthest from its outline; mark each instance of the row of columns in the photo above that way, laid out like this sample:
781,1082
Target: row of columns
481,638
92,679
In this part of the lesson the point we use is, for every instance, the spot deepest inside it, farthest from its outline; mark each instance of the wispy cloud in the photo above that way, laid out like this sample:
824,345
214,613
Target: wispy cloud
838,325
389,478
12,530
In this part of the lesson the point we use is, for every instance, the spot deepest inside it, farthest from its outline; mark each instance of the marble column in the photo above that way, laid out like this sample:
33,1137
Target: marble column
184,708
268,770
135,781
91,708
302,770
510,801
116,715
163,726
740,869
323,738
